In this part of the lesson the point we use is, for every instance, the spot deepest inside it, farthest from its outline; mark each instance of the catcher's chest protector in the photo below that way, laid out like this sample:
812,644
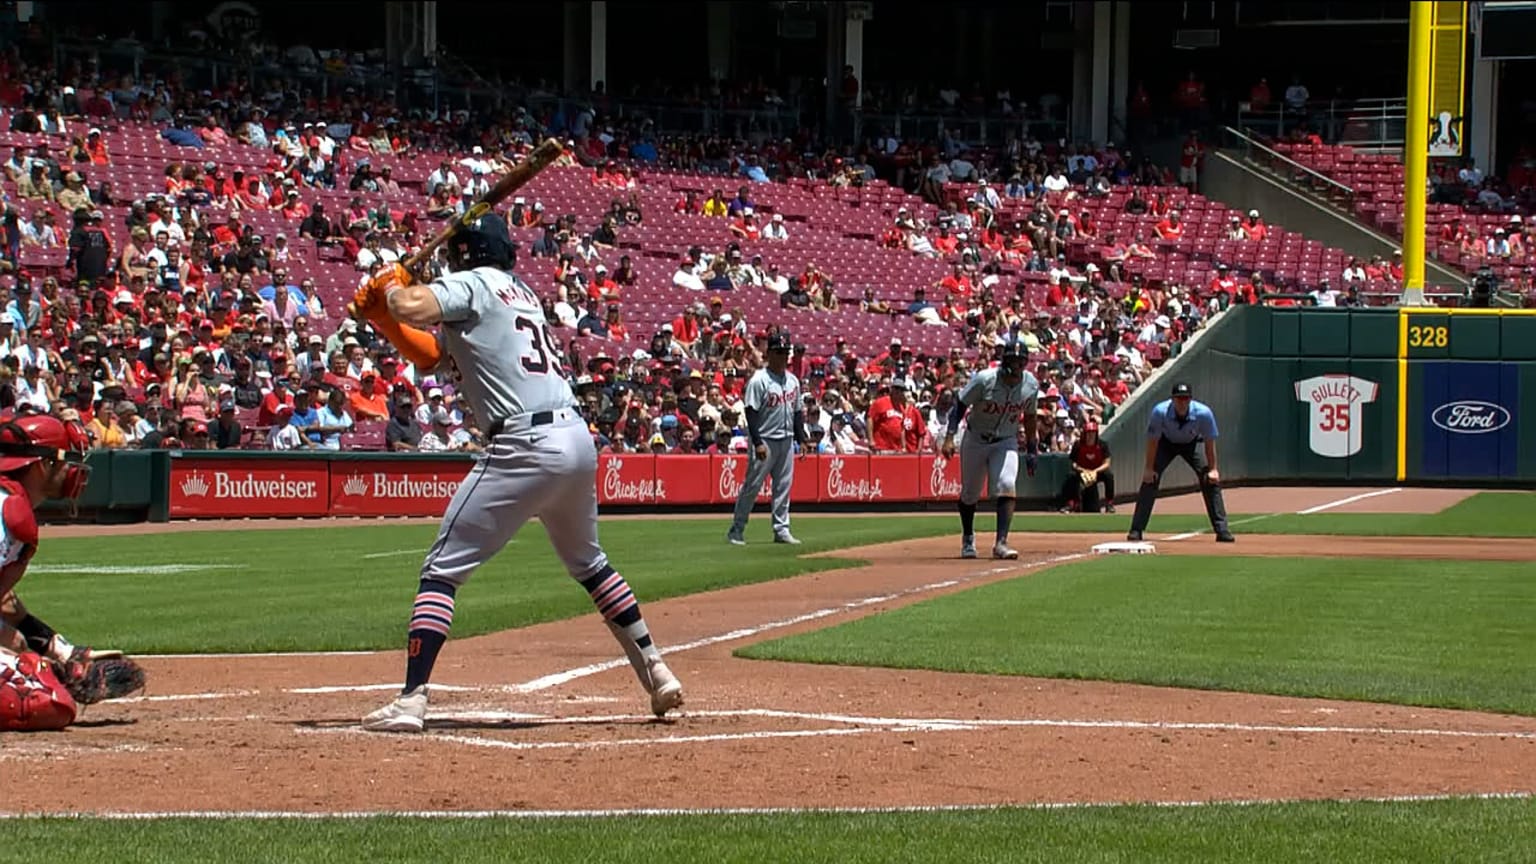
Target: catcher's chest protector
31,698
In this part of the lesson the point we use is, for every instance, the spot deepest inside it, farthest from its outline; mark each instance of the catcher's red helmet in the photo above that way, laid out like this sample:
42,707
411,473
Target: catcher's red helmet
38,437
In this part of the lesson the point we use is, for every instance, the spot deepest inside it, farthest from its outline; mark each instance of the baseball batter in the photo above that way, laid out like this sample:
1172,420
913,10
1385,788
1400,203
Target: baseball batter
993,404
494,342
775,418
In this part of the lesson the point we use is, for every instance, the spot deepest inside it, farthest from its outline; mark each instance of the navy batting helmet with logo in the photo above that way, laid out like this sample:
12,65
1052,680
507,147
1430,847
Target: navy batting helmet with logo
1012,359
779,341
482,242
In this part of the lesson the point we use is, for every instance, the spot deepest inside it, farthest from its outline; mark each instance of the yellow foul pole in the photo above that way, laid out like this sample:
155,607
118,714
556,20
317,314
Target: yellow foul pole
1416,151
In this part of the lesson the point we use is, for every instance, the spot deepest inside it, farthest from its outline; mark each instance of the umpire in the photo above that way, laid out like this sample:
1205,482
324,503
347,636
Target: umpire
1177,426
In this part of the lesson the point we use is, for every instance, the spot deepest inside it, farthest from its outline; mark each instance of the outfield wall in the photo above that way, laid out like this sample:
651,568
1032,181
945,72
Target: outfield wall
1359,396
134,485
1321,396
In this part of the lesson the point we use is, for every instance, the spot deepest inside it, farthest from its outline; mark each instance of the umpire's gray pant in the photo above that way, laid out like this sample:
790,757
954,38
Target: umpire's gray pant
780,465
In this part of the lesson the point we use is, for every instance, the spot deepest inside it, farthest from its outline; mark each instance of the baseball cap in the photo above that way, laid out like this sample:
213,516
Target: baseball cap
1182,390
227,405
442,416
435,393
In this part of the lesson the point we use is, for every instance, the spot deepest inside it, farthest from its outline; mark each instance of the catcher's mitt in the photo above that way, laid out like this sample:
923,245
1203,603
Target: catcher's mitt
93,681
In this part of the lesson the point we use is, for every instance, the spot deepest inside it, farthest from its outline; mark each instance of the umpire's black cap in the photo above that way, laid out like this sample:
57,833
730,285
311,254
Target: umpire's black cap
1182,389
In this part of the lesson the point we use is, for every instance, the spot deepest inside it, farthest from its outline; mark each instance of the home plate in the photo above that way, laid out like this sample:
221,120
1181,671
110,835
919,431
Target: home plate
1124,548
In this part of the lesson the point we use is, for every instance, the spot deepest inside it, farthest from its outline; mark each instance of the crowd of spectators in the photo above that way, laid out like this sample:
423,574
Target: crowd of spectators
200,332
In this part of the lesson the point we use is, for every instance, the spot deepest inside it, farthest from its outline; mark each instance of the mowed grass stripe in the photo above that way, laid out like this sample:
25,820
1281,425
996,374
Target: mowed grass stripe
1435,633
1339,833
318,589
314,589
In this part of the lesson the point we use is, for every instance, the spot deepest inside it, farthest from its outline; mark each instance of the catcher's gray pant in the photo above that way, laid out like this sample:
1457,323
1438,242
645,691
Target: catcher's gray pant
995,461
544,472
780,465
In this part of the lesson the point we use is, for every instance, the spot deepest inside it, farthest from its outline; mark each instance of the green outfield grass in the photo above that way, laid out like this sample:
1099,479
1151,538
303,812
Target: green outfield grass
1486,514
1442,633
313,589
1489,831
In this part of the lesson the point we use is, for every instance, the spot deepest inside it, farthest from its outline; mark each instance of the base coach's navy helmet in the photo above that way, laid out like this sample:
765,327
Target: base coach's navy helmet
481,243
778,341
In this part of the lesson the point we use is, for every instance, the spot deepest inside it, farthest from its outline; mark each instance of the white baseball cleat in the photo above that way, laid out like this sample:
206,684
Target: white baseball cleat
968,546
1003,550
408,713
786,538
666,690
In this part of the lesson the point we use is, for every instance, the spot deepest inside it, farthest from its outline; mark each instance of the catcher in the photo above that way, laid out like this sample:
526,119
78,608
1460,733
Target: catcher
44,678
1090,467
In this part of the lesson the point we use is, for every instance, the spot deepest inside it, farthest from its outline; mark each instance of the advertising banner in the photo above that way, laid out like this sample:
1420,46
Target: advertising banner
939,478
225,487
1467,417
682,479
394,487
232,488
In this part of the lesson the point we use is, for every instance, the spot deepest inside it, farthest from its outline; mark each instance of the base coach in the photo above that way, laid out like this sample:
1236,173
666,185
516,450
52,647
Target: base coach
1181,428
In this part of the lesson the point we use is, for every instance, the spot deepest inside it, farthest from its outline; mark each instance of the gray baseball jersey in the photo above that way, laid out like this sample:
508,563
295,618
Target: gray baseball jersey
993,409
776,401
497,346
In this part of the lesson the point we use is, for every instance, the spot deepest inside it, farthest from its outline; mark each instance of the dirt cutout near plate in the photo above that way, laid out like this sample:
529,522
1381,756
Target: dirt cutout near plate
549,717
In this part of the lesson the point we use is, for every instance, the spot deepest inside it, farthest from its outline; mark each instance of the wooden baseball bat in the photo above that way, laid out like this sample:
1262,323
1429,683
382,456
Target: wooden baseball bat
541,158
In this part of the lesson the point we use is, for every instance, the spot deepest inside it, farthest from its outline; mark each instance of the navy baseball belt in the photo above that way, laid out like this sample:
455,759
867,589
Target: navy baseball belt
525,422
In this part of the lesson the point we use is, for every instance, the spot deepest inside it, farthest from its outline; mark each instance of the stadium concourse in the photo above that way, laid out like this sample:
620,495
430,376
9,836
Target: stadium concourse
182,282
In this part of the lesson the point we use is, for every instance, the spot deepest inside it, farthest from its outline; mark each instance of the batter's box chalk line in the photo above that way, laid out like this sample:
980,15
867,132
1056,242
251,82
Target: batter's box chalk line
839,725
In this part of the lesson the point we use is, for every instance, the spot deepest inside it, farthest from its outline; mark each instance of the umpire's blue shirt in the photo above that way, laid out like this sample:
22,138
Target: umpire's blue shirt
1198,425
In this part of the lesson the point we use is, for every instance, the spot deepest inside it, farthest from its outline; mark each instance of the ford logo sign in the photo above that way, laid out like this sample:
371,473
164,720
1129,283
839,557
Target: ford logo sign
1470,417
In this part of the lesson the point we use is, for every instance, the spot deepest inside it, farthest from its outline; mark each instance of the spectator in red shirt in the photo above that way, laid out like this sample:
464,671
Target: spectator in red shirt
1254,227
1171,228
895,424
956,284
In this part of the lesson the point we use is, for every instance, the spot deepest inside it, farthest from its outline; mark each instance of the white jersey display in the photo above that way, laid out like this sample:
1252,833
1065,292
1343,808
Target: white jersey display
1334,422
497,345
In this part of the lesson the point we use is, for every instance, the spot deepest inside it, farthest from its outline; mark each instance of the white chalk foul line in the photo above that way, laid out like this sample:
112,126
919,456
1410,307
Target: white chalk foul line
393,553
128,570
1345,501
147,816
556,679
1318,509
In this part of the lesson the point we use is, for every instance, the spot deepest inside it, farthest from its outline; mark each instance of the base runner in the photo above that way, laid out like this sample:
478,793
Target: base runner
996,399
539,461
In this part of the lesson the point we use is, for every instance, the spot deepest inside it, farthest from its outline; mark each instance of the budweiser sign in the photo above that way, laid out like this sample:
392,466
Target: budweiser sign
619,488
403,487
840,486
382,484
226,485
227,488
